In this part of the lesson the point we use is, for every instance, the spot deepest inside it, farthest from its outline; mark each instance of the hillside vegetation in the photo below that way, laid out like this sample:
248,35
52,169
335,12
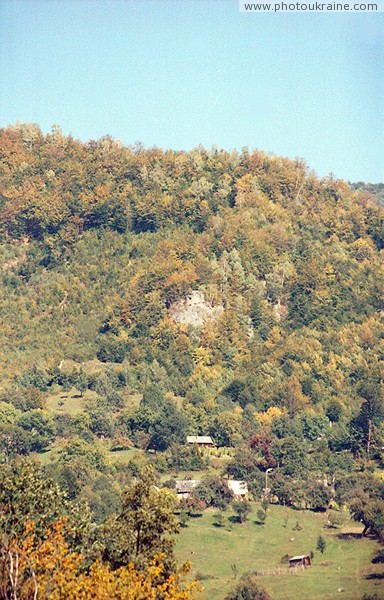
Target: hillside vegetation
148,295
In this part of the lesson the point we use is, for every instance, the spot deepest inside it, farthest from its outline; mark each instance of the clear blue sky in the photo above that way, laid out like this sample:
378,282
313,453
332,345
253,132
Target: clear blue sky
178,73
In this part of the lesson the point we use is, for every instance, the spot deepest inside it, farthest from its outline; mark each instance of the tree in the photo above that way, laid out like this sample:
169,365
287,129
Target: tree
261,444
213,491
368,510
169,428
14,440
317,496
81,382
226,428
144,526
153,397
40,427
242,508
49,569
261,516
370,388
218,519
334,410
293,457
26,495
34,377
321,544
78,464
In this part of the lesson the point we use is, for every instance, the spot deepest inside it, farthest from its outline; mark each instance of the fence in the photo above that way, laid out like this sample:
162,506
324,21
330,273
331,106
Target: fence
280,571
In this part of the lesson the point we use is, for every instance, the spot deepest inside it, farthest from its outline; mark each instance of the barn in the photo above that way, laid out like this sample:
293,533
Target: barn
300,561
200,440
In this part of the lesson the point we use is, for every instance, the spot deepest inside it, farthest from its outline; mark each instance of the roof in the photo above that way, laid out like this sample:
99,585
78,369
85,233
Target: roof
300,557
185,486
199,439
239,488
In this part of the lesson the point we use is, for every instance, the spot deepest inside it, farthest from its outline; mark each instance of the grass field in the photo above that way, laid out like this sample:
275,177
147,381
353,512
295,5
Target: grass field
67,403
123,456
220,555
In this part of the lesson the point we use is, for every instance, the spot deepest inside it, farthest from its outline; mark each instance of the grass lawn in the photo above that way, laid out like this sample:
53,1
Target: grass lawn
220,555
67,403
45,458
123,456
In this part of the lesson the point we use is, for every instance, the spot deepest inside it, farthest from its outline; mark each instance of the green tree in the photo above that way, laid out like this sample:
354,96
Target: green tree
242,508
170,428
144,527
34,377
213,491
81,382
321,544
335,518
27,495
153,397
40,427
371,389
293,457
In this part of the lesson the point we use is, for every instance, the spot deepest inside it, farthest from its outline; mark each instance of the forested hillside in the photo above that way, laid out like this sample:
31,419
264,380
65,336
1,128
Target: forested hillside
102,245
376,189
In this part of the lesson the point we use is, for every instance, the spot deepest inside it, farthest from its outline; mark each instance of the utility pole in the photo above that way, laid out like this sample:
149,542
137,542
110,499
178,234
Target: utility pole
266,489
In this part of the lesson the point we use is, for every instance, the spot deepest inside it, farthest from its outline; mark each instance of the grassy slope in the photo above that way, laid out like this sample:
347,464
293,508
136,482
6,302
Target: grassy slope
217,553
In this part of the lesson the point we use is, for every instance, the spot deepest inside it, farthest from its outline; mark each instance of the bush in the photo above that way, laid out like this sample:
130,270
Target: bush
218,519
261,516
285,559
248,588
335,518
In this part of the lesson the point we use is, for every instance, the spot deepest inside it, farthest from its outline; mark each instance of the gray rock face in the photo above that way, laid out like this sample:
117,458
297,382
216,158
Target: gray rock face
194,310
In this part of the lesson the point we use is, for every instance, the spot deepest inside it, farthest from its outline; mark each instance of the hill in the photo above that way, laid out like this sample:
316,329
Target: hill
150,294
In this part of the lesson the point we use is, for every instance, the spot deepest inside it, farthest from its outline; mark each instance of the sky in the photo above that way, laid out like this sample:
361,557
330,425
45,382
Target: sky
179,73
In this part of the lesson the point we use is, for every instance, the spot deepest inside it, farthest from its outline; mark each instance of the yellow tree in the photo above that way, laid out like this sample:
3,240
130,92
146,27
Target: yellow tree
51,571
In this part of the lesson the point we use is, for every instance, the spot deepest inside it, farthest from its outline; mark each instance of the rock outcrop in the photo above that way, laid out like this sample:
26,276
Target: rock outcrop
194,310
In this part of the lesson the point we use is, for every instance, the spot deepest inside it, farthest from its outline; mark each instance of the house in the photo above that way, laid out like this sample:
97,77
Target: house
300,561
200,440
185,486
239,488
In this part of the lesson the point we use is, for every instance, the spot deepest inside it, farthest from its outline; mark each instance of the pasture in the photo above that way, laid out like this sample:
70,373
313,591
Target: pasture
220,555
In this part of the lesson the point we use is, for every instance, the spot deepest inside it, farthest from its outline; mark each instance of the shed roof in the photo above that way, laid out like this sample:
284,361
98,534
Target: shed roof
185,486
199,439
299,557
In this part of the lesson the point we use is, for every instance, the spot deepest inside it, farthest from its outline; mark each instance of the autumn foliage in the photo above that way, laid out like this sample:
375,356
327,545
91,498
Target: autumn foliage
50,570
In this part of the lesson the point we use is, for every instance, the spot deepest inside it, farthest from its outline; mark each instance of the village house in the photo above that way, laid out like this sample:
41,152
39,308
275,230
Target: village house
200,440
184,487
239,488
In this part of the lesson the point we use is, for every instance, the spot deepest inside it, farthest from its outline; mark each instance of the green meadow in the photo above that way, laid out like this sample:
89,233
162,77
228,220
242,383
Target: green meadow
220,555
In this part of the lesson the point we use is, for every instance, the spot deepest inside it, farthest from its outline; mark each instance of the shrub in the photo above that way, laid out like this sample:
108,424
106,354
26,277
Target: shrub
248,588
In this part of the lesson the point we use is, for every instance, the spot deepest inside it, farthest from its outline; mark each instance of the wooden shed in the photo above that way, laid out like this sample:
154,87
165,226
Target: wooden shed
300,561
200,440
185,487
